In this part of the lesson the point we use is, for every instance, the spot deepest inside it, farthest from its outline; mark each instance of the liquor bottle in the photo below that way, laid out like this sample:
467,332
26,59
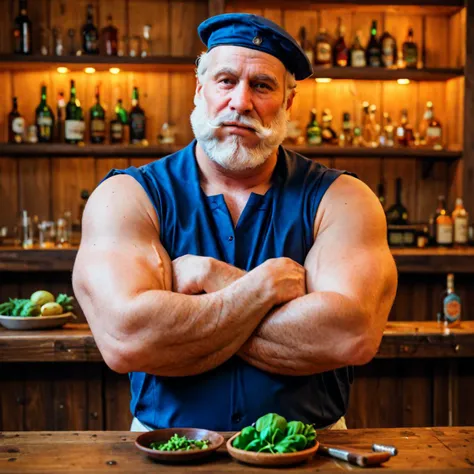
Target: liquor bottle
381,193
328,135
432,220
357,54
422,237
313,130
444,227
410,51
90,34
97,120
22,31
346,135
340,52
405,130
109,38
74,124
44,119
365,125
434,131
117,125
397,214
322,49
389,50
387,138
374,50
450,305
16,124
374,127
61,114
137,120
306,44
460,224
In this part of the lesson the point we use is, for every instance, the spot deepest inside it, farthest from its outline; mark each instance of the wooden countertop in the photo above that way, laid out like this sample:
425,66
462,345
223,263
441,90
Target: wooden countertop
75,343
408,260
438,450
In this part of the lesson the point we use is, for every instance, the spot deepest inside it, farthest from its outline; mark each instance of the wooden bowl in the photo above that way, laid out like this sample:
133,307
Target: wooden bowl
144,440
268,459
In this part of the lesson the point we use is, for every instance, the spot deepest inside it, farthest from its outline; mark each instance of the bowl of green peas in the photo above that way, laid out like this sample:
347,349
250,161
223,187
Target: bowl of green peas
179,444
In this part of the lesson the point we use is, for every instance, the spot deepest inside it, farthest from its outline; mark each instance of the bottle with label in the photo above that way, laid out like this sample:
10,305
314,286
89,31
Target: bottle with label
397,214
450,305
444,227
109,38
74,124
22,31
137,120
306,44
61,115
374,50
405,135
340,51
16,124
357,54
90,34
328,134
432,220
118,124
346,135
322,49
460,224
44,119
313,130
434,130
387,138
97,120
410,51
389,50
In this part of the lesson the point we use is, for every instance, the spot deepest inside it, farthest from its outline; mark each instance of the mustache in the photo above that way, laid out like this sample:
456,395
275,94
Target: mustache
260,130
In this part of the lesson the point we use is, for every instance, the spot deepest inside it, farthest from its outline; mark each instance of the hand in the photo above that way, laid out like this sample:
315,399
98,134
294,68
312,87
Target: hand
193,275
287,279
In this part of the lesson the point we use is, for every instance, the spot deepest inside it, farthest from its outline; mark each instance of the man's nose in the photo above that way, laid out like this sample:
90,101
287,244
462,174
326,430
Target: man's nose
241,99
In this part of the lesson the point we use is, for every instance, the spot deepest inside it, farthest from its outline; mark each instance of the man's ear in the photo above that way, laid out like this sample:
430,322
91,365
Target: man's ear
289,101
198,90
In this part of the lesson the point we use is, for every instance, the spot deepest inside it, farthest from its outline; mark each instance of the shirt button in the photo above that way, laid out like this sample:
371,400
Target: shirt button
236,418
230,238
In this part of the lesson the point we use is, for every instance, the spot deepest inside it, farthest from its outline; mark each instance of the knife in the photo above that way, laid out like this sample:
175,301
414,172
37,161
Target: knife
354,457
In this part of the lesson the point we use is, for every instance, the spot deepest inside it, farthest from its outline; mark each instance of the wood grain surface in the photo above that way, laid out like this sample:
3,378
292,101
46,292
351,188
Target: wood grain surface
435,449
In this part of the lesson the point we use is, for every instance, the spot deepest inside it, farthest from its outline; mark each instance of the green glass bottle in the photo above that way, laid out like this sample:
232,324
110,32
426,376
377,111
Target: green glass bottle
44,119
117,125
313,130
97,120
74,124
137,120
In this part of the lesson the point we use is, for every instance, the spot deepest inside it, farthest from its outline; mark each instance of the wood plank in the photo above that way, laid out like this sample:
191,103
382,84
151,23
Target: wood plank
185,18
276,15
437,41
156,14
457,39
5,104
70,177
12,398
465,389
117,401
103,166
6,21
369,171
182,87
9,210
293,20
428,190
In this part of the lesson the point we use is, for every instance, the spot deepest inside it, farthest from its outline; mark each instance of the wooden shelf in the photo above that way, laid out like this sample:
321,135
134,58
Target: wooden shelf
75,343
105,151
433,261
16,62
382,74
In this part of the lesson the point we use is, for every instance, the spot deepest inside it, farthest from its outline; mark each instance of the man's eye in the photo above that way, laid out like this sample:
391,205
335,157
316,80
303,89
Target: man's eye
226,81
262,85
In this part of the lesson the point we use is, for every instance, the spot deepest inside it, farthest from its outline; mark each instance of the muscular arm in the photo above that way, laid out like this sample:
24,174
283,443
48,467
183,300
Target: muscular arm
351,281
122,279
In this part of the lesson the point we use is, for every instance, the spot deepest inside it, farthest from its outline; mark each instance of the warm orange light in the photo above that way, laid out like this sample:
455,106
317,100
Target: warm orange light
89,70
114,70
62,70
403,82
323,80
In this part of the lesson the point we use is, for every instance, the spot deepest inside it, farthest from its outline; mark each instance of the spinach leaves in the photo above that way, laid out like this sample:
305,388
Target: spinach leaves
273,434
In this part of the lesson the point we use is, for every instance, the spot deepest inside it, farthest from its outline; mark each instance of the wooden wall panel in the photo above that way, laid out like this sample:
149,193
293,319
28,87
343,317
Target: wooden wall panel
118,10
154,13
117,401
276,15
436,40
8,192
457,35
182,93
35,187
39,396
12,398
185,16
293,20
6,44
329,20
396,98
104,165
367,169
304,101
428,190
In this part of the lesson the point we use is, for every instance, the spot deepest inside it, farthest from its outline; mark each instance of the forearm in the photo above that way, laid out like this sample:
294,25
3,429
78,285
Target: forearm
166,333
315,333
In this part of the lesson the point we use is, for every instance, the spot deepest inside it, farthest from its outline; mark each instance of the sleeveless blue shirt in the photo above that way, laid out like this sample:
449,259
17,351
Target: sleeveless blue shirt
277,224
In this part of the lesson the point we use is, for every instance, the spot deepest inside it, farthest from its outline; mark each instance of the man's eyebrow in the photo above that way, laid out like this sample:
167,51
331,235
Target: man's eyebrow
258,77
225,70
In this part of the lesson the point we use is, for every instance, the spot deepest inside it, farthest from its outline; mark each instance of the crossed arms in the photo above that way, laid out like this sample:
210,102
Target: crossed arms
188,316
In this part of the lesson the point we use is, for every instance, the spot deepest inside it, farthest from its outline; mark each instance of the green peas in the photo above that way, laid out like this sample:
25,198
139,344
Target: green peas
180,443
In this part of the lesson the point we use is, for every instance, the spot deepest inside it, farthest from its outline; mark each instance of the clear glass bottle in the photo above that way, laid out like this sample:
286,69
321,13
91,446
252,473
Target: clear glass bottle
405,137
444,228
387,138
328,134
460,219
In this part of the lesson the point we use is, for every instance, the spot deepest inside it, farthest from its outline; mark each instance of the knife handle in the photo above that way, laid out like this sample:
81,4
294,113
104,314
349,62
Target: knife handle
354,457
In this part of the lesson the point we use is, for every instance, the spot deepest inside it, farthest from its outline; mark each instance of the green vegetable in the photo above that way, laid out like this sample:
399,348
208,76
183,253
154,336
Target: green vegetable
248,434
272,420
291,444
67,302
180,443
295,427
6,308
30,309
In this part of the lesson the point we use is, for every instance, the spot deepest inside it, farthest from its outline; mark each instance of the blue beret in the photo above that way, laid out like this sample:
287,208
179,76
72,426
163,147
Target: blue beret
256,32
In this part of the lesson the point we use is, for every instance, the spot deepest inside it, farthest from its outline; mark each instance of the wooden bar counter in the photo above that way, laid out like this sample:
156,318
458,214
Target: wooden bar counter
437,449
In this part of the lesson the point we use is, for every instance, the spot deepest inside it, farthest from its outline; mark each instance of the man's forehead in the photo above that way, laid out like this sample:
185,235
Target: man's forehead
242,59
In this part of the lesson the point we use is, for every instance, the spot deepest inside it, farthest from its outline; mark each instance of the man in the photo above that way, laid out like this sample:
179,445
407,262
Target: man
236,278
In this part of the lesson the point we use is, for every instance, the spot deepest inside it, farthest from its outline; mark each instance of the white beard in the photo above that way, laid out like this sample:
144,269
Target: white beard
231,154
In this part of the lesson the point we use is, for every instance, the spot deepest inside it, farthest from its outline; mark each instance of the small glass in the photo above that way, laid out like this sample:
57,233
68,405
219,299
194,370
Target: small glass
58,42
134,46
146,42
25,231
47,235
71,33
63,238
